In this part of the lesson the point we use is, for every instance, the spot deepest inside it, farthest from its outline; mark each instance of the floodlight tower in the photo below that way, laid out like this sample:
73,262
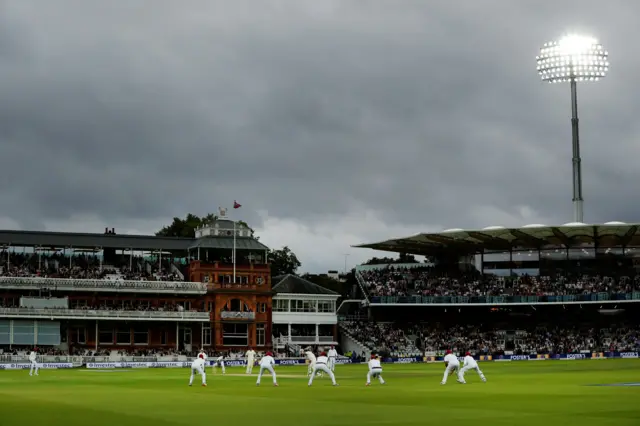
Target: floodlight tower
573,58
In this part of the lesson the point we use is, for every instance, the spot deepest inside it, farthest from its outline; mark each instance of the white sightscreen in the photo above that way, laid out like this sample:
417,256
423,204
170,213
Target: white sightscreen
48,333
5,332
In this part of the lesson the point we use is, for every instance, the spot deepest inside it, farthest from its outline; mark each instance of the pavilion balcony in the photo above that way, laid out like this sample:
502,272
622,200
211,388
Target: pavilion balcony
312,339
230,287
94,285
236,315
102,315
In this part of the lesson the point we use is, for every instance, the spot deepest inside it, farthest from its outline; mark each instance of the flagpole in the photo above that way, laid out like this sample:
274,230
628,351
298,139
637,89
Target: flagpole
233,256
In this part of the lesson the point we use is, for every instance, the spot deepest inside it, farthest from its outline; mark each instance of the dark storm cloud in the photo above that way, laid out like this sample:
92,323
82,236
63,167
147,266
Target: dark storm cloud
425,111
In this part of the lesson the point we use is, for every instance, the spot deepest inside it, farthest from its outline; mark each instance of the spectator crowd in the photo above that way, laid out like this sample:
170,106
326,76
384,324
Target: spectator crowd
118,354
125,305
415,339
433,281
83,267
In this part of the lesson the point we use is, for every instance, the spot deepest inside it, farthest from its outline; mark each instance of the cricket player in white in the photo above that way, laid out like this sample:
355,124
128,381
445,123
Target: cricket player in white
452,365
375,370
469,364
251,359
333,354
33,358
321,364
219,363
312,361
197,366
266,363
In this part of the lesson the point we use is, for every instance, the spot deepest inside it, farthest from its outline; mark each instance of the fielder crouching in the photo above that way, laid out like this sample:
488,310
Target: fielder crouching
470,364
452,366
266,363
321,364
375,370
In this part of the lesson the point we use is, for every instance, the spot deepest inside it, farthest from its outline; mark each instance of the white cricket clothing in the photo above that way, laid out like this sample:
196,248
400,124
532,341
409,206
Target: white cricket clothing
453,364
375,371
33,357
251,356
267,363
333,354
220,363
197,366
452,359
470,364
312,361
321,365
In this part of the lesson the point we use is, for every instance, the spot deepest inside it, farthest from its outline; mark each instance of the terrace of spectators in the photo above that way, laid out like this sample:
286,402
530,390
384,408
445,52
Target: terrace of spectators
129,310
86,273
572,263
433,285
416,339
17,354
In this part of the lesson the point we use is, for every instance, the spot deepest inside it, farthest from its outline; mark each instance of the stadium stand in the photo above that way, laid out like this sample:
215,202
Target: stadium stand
111,295
413,340
83,267
430,281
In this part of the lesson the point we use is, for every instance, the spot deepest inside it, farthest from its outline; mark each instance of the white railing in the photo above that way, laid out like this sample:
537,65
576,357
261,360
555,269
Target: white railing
237,315
311,339
85,359
345,328
103,314
351,318
71,284
293,347
177,271
363,286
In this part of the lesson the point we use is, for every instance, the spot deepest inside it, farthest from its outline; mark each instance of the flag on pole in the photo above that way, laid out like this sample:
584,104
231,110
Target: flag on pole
233,254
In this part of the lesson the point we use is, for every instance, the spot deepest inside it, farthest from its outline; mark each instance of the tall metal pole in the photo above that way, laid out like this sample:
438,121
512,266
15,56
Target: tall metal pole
233,256
577,166
573,58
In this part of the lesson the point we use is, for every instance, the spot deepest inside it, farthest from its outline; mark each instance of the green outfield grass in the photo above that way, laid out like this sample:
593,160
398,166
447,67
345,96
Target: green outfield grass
541,393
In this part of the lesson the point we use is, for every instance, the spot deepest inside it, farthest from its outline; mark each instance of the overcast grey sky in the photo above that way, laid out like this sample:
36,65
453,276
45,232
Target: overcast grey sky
332,122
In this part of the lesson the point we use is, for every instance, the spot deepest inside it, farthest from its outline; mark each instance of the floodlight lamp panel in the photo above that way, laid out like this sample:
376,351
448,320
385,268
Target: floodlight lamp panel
572,58
574,44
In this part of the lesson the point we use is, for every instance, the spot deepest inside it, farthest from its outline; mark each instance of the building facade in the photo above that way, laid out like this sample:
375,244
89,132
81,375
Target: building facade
304,314
124,292
240,312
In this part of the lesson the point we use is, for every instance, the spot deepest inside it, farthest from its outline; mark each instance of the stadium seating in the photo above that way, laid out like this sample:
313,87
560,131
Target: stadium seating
50,354
431,281
84,267
415,339
382,337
